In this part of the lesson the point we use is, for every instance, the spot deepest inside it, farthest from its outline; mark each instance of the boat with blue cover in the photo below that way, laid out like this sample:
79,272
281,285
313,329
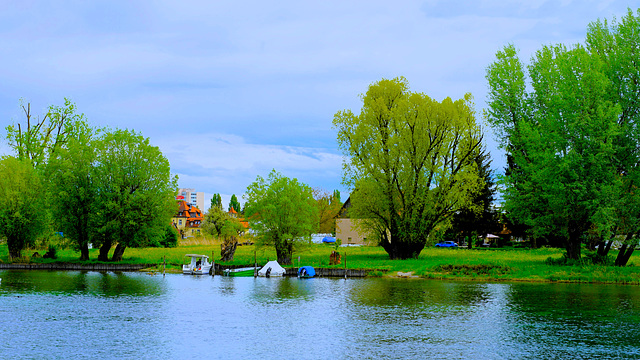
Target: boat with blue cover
306,272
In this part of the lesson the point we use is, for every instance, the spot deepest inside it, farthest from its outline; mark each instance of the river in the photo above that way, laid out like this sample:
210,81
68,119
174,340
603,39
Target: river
57,314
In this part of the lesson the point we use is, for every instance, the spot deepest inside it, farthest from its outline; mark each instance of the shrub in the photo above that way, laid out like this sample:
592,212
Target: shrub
51,254
170,238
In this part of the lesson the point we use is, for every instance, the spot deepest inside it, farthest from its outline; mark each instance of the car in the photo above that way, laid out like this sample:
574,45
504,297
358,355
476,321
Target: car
447,244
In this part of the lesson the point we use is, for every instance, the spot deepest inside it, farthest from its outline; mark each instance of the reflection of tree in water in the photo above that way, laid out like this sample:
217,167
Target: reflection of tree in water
605,317
420,293
81,282
283,289
577,301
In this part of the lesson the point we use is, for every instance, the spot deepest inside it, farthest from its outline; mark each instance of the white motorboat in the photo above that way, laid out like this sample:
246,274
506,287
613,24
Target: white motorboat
199,265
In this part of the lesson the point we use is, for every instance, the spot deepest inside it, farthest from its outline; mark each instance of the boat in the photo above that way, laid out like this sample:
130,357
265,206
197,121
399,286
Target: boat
199,265
272,268
306,272
245,272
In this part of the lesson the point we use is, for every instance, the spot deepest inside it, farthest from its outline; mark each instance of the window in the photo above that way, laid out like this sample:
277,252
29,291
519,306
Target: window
179,221
348,240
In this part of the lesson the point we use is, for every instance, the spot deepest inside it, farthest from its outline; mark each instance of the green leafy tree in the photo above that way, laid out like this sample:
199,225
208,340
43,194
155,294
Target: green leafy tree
281,211
411,162
235,204
216,201
480,219
72,188
22,200
616,44
328,206
37,139
221,224
136,192
214,220
571,134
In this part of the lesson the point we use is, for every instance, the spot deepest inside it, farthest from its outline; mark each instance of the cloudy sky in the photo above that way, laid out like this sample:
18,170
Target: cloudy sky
232,89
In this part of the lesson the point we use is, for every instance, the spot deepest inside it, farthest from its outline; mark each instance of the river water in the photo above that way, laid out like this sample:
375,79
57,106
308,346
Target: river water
49,314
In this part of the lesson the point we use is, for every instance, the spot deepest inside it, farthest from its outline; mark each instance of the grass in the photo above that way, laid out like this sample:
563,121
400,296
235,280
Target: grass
506,264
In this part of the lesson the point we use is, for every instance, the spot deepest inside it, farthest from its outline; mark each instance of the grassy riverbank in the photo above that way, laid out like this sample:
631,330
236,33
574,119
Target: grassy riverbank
461,264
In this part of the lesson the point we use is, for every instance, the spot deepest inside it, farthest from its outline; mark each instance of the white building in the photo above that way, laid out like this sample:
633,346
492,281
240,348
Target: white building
193,197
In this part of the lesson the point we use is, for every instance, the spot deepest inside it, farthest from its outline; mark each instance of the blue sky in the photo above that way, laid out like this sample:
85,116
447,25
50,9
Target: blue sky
230,90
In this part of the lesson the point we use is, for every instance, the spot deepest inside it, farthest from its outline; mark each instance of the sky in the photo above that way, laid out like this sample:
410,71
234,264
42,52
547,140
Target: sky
230,90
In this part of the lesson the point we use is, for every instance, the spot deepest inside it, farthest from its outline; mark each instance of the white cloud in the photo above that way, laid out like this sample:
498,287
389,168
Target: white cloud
227,164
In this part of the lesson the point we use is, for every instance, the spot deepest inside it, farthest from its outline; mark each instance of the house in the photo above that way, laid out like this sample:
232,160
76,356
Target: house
346,228
234,214
188,219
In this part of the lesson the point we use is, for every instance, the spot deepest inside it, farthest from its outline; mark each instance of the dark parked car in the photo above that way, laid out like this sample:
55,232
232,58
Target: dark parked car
447,244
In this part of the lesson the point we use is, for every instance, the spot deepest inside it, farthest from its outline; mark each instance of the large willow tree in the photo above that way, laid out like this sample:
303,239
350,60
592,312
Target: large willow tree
411,162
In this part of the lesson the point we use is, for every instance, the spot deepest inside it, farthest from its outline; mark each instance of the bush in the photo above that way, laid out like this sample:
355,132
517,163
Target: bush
170,238
51,254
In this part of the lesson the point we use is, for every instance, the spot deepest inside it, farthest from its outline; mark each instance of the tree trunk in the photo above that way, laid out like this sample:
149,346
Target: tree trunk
104,251
469,243
84,252
118,252
402,250
573,245
621,254
15,253
284,251
627,255
228,248
608,247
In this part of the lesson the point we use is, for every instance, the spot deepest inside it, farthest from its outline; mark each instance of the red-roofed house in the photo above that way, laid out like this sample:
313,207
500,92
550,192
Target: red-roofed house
234,214
187,220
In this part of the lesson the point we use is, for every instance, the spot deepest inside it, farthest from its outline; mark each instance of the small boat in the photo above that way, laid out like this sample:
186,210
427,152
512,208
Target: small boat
272,268
306,272
245,272
199,265
329,240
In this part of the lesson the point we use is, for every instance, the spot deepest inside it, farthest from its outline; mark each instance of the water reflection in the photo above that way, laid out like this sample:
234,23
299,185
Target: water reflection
126,315
78,282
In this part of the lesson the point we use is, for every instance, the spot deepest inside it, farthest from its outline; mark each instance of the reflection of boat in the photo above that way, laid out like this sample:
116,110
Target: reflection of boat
199,265
306,272
245,271
272,268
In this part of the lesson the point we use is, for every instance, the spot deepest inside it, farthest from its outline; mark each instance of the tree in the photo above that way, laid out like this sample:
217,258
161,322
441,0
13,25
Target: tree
328,205
22,201
73,190
411,162
235,204
37,141
573,137
481,218
135,190
281,211
219,223
216,201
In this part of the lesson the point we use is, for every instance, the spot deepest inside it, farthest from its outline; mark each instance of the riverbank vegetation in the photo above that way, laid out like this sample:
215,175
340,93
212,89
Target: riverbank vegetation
504,264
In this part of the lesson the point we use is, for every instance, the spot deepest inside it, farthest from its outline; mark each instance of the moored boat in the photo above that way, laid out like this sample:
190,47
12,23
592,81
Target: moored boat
306,272
245,271
272,268
199,265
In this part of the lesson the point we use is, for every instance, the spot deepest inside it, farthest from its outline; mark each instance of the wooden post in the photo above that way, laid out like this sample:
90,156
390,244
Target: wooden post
255,262
164,264
345,263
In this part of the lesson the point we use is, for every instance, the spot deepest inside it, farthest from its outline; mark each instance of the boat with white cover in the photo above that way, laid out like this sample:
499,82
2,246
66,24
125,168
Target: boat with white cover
272,268
199,265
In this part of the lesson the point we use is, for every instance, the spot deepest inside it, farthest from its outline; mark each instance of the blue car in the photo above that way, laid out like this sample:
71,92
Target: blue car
447,244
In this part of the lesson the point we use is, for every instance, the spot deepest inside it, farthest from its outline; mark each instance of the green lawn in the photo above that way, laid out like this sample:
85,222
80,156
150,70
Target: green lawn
479,264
